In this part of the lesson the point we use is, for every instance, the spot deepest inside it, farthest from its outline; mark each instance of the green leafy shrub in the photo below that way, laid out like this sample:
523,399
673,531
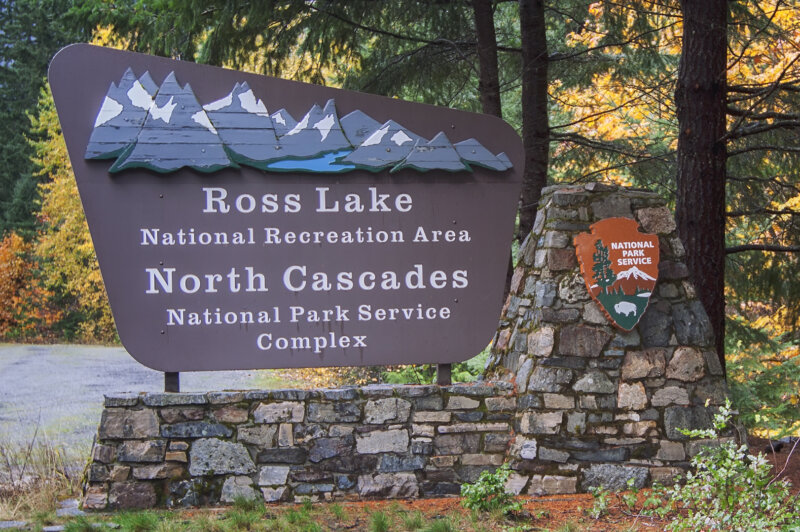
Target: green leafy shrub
601,502
729,489
488,493
467,371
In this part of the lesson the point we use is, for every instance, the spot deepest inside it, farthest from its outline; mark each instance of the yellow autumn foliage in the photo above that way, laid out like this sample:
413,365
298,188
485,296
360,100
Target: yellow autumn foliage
64,247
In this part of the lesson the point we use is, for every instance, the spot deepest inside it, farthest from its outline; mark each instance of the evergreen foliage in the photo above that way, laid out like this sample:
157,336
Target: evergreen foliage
64,249
32,31
603,274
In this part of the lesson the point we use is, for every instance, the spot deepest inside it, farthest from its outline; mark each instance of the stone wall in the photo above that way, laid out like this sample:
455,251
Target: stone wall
571,402
161,449
595,401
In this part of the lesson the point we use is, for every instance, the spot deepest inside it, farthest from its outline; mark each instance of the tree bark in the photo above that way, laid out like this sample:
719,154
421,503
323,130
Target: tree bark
489,77
489,81
535,122
700,101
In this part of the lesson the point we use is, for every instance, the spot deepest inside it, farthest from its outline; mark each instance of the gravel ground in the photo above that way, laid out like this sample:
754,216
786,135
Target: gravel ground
56,391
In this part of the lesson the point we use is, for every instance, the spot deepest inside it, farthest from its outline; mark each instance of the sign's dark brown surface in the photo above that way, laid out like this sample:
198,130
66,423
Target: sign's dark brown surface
216,256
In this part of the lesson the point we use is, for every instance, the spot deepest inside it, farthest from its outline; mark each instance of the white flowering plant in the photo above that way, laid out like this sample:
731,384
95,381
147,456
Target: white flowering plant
729,489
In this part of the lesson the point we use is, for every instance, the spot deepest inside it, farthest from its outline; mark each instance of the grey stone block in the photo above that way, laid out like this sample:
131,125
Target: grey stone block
195,429
594,382
614,477
121,399
174,399
680,417
142,451
119,423
236,487
552,380
342,394
692,326
392,463
284,455
323,448
210,456
334,413
388,485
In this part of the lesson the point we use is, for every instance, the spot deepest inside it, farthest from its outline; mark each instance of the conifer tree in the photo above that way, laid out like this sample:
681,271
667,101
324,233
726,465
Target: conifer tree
604,276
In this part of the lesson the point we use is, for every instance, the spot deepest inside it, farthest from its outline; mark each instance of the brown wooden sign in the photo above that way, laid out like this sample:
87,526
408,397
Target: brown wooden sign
242,221
620,267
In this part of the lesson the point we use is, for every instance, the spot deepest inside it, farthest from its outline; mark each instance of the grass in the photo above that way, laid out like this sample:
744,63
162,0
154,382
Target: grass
34,477
413,520
379,522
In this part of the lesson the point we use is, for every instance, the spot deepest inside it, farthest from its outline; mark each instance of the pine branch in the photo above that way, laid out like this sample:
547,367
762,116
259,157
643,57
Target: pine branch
769,90
766,147
771,212
762,128
386,33
766,180
599,145
756,90
733,111
762,247
564,57
753,38
631,101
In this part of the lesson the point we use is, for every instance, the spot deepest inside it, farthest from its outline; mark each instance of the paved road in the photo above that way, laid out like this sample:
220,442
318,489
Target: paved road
58,389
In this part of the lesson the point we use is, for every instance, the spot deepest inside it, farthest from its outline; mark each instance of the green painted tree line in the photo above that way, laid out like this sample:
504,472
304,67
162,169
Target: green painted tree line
695,99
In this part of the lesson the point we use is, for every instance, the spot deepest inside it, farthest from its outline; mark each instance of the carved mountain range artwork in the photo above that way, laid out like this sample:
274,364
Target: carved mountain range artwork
165,128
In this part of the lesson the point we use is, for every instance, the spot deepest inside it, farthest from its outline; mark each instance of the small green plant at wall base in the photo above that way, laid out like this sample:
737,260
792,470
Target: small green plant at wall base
413,521
601,502
379,522
489,492
729,489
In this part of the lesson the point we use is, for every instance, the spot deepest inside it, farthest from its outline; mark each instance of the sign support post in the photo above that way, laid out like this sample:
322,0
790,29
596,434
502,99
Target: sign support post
172,381
444,374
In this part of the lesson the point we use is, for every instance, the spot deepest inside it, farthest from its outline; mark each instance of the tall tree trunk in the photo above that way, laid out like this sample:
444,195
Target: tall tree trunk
700,100
535,124
489,81
489,78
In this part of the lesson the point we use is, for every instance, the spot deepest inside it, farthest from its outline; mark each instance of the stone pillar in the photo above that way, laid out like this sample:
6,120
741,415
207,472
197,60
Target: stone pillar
597,405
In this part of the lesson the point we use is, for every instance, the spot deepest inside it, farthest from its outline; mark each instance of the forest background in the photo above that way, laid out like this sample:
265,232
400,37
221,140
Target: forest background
697,100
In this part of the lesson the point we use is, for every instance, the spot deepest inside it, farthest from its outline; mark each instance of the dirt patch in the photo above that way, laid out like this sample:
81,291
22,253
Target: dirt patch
785,463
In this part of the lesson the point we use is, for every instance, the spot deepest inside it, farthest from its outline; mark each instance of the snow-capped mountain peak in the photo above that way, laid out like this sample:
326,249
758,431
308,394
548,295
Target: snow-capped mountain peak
401,138
163,113
251,104
222,103
301,125
110,110
634,273
278,117
324,126
139,96
200,117
376,137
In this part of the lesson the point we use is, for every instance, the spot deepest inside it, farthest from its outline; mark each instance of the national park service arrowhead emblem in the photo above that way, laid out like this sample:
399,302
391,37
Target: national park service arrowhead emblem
620,267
